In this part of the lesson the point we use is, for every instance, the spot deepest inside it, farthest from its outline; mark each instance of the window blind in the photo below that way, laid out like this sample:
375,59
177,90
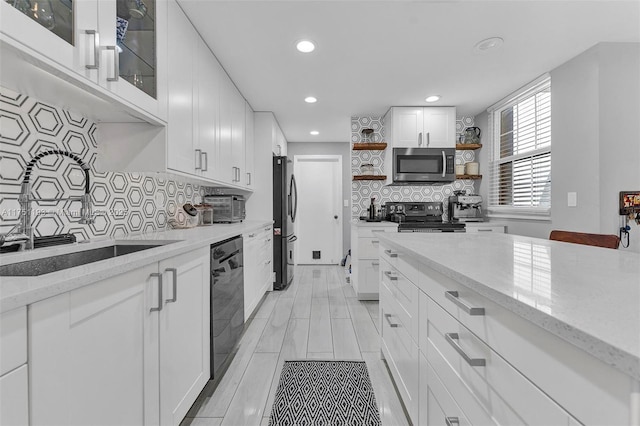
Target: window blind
520,163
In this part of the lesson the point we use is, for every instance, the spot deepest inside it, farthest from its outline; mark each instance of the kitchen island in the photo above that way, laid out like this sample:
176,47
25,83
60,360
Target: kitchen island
516,329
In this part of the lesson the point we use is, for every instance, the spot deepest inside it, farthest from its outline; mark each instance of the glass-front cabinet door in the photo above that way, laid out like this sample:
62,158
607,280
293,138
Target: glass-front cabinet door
130,36
113,43
63,31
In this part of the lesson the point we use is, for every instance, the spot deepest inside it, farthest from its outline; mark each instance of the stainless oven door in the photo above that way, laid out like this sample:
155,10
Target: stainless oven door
423,165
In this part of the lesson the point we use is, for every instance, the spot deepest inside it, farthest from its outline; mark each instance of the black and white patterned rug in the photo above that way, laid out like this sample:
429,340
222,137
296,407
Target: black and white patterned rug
327,393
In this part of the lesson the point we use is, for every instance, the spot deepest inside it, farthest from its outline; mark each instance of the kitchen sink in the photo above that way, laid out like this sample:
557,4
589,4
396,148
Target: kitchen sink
47,265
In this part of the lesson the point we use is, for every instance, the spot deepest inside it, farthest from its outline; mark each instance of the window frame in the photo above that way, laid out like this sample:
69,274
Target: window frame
542,213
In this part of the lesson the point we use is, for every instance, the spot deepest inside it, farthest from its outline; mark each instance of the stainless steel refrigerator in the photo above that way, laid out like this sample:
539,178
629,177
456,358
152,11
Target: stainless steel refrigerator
285,207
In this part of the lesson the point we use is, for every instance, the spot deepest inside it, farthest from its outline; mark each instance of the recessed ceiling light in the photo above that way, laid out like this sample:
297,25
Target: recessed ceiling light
310,100
488,44
432,98
314,133
305,46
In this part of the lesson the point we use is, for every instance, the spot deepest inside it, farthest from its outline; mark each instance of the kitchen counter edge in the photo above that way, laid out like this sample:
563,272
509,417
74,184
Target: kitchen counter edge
624,361
16,292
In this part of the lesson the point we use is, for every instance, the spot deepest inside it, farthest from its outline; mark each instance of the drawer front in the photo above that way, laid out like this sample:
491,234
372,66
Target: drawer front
370,231
406,265
368,248
400,351
554,365
496,387
13,338
474,229
406,295
436,405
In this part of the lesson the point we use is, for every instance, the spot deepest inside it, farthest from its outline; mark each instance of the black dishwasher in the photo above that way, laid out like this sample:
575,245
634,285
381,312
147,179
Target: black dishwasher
227,301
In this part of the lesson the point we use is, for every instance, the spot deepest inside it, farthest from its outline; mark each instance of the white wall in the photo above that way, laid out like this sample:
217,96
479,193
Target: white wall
595,150
332,148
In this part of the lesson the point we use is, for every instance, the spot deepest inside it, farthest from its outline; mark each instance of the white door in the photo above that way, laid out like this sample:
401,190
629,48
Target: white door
319,216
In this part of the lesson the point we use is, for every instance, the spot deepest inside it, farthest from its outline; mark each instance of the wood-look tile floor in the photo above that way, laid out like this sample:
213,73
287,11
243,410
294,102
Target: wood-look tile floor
317,317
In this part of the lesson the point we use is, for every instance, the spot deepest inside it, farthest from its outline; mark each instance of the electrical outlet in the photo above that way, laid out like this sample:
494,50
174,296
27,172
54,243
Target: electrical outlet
572,199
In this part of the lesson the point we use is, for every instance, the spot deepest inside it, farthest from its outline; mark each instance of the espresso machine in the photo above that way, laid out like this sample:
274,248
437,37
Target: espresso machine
465,207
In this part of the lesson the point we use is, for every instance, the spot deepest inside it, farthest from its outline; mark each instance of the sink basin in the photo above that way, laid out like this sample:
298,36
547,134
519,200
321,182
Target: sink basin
32,268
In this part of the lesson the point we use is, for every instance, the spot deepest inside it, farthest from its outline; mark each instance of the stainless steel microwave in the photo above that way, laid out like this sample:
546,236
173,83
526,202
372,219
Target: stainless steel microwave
423,166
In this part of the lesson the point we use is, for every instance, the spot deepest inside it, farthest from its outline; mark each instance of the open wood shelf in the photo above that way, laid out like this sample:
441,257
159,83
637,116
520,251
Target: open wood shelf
369,177
360,146
468,146
468,176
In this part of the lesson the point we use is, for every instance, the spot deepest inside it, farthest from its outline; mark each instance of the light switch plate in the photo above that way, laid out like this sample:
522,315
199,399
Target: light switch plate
346,203
572,199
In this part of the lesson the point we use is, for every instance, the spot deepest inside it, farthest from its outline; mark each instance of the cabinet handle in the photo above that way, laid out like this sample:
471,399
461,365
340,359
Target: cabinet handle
391,254
268,239
453,339
267,262
444,164
198,159
375,263
388,318
174,271
455,298
429,139
420,139
374,241
116,64
252,235
159,308
391,277
268,228
96,50
484,230
206,162
450,421
248,178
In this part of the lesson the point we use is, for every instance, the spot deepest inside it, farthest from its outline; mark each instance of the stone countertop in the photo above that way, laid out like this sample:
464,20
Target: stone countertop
587,296
16,292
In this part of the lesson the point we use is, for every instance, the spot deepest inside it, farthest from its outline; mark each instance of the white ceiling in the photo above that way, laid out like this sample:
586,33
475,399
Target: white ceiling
371,55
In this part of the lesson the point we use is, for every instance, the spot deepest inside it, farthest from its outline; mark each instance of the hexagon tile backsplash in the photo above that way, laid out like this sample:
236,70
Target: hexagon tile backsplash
363,190
123,202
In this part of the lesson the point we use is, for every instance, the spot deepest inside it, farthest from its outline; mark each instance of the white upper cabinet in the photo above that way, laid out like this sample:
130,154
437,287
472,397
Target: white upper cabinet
416,127
182,73
238,123
208,112
67,34
249,159
115,53
227,169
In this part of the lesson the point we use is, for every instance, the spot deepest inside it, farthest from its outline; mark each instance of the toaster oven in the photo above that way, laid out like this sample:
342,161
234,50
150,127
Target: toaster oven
226,208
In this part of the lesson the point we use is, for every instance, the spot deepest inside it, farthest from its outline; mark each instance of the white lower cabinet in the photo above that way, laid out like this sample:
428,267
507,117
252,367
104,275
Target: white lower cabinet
131,349
14,394
184,333
489,366
14,380
258,267
364,257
